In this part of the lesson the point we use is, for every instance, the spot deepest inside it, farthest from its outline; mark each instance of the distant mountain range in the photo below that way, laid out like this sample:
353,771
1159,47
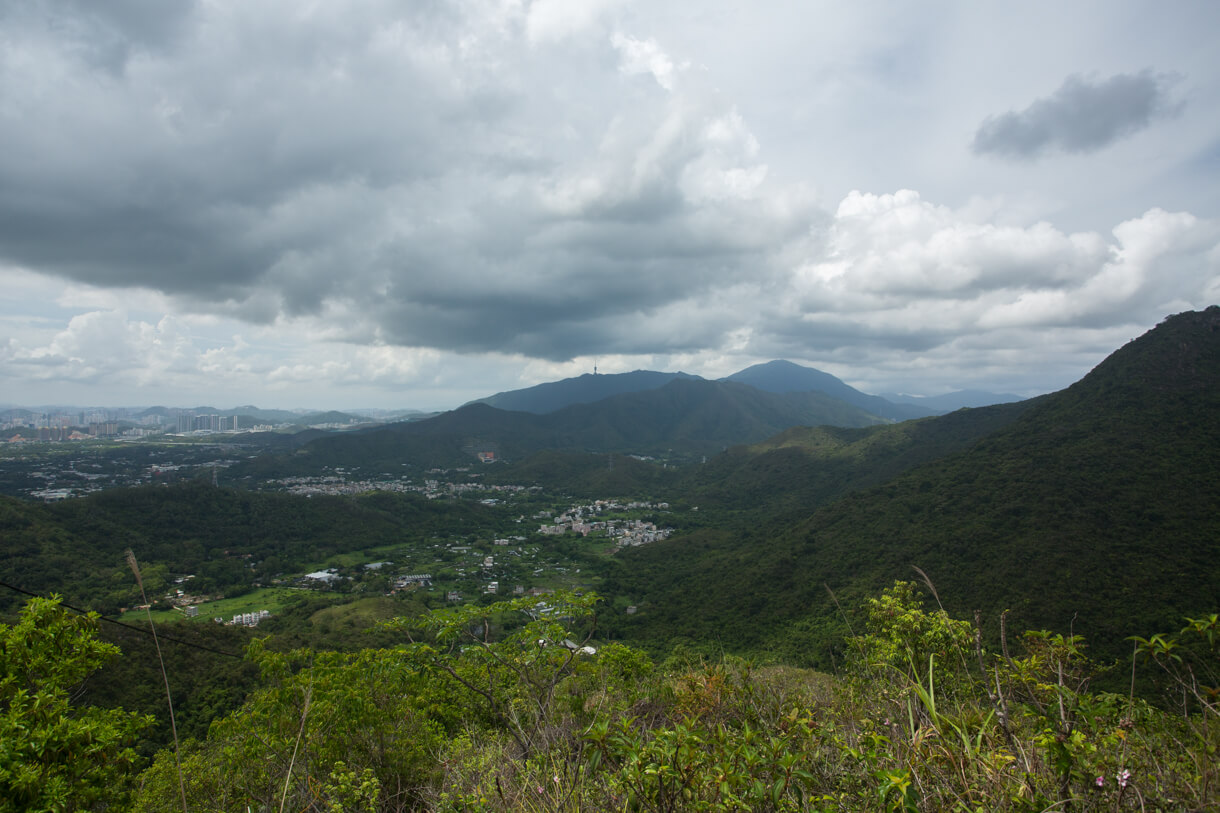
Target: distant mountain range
257,415
1096,508
248,414
674,415
585,389
950,401
779,377
784,377
686,418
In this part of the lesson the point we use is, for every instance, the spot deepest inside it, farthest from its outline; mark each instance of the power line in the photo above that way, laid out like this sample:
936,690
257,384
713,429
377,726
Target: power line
118,623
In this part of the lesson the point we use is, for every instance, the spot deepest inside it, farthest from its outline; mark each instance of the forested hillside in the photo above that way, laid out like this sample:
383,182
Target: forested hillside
228,539
684,420
1098,505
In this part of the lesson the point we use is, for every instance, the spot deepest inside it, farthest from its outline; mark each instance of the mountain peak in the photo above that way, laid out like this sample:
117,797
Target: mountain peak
784,376
1180,355
583,389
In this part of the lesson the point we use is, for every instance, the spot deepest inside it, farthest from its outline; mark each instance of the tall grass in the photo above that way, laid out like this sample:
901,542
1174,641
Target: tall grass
169,699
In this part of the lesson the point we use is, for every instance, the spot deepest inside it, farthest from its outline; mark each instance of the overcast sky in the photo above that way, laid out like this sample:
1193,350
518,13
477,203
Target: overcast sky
412,204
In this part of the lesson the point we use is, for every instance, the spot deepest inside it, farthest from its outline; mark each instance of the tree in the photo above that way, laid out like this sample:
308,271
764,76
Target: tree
54,755
513,679
354,731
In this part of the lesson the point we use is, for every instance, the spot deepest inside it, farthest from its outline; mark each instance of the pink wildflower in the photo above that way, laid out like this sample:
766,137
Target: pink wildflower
1124,776
1100,781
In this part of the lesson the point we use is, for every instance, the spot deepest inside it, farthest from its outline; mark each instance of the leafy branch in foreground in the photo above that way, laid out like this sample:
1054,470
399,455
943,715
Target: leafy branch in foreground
54,756
503,708
514,674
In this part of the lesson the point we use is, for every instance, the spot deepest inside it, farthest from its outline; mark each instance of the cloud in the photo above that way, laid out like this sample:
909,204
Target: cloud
898,277
387,171
190,360
382,195
556,19
98,345
644,56
1081,116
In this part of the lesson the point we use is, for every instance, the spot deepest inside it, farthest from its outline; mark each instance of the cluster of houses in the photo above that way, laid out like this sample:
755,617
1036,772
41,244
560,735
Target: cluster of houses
243,619
337,483
493,588
626,532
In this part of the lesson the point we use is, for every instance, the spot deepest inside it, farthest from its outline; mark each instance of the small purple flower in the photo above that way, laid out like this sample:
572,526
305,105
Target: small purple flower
1124,776
1100,781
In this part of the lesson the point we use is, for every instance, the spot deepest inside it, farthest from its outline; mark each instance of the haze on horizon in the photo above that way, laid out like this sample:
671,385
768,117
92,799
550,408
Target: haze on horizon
410,206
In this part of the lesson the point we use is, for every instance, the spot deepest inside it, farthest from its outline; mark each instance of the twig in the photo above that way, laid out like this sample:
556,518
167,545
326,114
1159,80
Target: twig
173,725
297,745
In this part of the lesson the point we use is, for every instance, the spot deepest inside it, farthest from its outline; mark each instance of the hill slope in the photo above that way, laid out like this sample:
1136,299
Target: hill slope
585,389
784,376
951,401
687,417
1098,505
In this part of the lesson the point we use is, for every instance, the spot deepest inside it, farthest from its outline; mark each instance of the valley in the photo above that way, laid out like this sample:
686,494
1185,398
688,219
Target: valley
690,524
1038,507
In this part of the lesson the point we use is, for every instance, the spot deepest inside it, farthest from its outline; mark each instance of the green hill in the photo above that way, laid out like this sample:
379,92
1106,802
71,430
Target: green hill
227,538
1097,506
686,418
784,376
584,389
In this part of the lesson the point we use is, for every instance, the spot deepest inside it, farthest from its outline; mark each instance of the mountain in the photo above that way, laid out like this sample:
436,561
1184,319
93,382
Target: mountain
785,377
1095,508
331,416
951,401
785,477
585,389
256,415
688,417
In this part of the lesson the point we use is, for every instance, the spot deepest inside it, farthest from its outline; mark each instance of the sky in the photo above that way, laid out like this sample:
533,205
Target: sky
415,204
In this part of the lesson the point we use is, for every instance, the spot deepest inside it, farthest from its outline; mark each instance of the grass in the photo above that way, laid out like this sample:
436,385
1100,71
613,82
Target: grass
359,614
272,599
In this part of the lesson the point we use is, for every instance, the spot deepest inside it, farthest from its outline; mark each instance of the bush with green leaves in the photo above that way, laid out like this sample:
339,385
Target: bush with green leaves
55,755
330,730
973,730
510,660
501,707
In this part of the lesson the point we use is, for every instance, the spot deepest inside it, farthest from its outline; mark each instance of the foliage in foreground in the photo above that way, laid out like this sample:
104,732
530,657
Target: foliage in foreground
502,707
53,755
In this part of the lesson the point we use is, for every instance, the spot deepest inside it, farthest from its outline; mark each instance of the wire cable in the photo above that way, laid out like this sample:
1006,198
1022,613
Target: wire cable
118,623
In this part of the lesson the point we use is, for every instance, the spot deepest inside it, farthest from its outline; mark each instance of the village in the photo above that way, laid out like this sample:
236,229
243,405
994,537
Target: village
564,549
581,519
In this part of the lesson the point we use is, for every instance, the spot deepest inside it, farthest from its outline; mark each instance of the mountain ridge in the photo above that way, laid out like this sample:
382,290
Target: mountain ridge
687,416
587,388
785,376
1100,501
779,377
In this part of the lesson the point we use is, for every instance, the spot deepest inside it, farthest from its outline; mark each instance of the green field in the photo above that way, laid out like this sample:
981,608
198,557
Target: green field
272,599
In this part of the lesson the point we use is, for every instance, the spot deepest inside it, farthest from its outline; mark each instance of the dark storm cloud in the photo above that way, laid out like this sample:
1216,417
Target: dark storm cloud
106,34
348,192
407,173
1081,116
